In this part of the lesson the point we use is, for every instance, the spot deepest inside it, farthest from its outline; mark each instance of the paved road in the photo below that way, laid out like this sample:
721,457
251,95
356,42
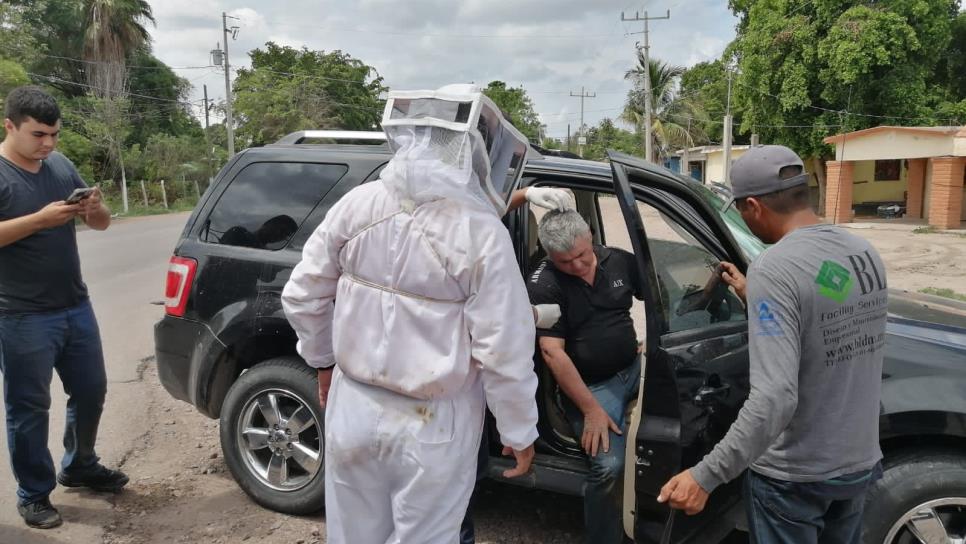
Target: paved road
124,268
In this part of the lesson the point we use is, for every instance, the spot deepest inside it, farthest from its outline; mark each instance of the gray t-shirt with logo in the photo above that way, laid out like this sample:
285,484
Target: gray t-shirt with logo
817,316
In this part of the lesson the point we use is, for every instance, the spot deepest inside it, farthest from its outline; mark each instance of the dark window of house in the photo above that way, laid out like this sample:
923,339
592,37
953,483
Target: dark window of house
267,201
887,170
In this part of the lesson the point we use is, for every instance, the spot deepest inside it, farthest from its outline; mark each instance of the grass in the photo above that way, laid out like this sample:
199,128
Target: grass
925,230
945,293
136,208
139,211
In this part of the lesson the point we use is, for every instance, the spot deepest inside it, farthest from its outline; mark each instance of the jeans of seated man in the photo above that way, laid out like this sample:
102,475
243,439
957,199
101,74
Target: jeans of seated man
467,529
603,488
807,513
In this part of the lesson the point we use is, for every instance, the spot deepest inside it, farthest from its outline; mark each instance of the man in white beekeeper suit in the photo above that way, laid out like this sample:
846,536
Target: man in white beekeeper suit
432,322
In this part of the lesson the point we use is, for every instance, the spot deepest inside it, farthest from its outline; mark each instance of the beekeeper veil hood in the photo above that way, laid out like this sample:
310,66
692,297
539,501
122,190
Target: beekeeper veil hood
451,143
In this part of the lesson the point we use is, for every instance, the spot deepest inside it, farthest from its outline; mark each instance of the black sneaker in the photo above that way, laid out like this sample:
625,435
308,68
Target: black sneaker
40,514
99,478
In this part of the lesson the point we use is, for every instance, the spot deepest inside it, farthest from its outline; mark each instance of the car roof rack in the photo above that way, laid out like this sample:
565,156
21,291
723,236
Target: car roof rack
339,136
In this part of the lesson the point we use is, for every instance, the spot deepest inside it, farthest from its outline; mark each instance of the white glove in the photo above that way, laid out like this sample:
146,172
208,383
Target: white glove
550,198
546,315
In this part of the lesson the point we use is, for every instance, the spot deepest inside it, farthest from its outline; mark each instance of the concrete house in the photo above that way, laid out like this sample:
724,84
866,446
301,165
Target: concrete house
921,166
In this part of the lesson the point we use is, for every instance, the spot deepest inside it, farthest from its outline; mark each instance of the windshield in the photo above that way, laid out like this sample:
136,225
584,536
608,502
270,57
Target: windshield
749,243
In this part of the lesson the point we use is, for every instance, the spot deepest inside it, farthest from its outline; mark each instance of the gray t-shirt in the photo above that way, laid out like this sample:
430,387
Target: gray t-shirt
41,272
817,305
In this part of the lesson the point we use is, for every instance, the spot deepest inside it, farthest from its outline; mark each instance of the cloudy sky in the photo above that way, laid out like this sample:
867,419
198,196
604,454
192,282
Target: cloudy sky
551,48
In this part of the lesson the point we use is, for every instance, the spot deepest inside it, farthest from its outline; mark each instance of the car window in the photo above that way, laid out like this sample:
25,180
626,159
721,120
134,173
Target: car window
750,245
267,201
688,282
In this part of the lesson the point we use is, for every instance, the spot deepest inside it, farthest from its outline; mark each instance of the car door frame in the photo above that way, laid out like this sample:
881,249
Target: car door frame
657,439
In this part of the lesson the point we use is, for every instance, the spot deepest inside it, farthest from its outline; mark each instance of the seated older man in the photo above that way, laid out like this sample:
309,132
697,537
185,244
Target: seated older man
592,352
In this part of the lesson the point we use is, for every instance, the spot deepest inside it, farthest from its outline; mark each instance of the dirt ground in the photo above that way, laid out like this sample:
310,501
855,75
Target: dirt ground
916,261
182,492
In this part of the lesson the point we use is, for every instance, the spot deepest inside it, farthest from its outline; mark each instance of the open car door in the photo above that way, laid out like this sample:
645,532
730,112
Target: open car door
695,376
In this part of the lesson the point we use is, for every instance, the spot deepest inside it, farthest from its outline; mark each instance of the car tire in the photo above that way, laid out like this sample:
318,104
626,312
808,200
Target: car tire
918,491
272,435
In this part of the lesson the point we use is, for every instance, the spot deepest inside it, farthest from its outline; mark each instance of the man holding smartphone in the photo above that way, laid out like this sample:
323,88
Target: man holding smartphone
46,319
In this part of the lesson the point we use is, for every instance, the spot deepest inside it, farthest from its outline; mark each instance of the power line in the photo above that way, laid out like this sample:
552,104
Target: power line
84,85
163,67
306,76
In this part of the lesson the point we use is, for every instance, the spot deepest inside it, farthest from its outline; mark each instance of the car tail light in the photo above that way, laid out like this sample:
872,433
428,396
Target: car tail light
181,272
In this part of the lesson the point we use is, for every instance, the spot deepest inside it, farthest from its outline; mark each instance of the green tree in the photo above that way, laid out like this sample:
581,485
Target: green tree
80,151
11,75
106,123
606,135
290,89
166,112
57,29
950,74
551,143
17,44
801,62
114,31
706,84
677,119
518,106
165,157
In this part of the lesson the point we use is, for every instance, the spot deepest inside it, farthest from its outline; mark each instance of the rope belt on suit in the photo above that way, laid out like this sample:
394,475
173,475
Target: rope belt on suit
397,291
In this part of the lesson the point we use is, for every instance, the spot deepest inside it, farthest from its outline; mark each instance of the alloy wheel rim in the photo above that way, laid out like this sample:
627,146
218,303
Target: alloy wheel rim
280,439
939,521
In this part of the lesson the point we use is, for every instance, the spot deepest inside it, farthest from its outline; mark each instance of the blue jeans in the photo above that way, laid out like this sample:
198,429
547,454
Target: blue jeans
32,346
603,489
781,512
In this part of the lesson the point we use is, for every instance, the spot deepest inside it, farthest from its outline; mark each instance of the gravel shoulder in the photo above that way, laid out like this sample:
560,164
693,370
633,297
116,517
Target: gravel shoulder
181,492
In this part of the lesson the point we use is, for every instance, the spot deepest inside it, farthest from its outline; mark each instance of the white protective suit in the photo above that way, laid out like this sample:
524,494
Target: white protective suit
432,320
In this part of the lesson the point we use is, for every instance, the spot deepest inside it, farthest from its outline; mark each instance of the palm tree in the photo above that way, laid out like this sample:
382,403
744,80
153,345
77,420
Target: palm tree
114,30
676,119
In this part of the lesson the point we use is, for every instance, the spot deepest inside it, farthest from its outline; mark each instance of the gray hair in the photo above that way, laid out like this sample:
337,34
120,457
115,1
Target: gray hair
559,231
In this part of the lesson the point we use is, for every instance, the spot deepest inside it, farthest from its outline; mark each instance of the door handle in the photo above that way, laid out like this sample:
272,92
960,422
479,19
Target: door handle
707,394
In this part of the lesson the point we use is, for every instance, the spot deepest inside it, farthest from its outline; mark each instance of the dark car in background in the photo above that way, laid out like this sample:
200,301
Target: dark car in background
225,346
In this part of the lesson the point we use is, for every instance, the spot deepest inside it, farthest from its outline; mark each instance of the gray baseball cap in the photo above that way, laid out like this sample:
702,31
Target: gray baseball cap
765,169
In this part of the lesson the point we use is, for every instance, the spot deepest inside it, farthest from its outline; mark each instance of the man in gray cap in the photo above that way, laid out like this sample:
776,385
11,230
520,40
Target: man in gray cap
817,314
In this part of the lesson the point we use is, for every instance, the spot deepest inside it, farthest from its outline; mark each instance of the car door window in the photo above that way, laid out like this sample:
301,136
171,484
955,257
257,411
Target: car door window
267,201
691,291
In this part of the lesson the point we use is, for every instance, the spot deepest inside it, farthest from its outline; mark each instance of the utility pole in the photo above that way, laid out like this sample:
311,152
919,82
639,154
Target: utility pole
581,140
229,119
648,111
726,136
685,157
207,137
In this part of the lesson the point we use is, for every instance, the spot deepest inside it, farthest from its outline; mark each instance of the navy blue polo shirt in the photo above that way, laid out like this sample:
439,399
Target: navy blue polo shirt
41,272
595,320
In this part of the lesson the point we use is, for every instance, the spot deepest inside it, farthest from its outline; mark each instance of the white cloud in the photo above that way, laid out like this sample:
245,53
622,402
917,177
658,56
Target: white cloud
550,47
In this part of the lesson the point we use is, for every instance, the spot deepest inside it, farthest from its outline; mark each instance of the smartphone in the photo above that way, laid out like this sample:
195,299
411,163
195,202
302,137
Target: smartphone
79,194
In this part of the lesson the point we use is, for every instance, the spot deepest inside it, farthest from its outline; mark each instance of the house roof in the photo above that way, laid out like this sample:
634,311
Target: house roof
924,131
706,149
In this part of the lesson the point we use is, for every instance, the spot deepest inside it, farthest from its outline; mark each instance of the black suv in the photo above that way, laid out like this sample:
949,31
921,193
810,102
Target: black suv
225,346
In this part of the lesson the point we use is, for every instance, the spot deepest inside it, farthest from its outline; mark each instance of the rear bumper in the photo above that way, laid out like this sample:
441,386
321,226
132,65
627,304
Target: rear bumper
182,348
